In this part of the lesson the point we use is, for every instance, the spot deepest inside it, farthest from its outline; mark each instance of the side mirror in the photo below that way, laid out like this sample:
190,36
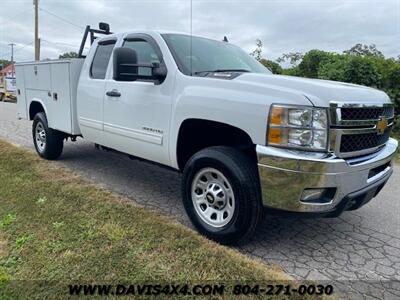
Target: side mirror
104,27
126,67
159,72
125,64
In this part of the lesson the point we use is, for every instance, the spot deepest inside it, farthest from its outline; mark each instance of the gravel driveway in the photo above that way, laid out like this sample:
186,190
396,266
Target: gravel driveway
362,245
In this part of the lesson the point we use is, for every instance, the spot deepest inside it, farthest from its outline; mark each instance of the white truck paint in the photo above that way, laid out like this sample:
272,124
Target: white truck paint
53,84
232,109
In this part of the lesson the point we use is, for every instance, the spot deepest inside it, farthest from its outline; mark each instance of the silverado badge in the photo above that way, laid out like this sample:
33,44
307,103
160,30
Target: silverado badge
381,125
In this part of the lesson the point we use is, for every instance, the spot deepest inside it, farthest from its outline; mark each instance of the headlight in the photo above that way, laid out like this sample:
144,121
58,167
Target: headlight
298,127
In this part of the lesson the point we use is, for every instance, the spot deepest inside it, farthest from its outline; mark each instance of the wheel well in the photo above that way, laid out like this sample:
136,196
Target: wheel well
197,134
35,108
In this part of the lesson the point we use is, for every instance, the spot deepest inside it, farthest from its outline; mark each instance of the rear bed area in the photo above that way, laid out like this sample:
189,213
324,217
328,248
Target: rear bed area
52,85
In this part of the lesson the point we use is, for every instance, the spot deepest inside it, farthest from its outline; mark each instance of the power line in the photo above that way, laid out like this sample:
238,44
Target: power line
61,18
16,50
60,43
13,17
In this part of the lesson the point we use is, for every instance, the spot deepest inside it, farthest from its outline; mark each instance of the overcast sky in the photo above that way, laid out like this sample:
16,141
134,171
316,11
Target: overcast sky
282,25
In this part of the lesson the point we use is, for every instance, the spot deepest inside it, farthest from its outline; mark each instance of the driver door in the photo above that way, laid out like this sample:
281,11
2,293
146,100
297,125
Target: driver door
137,113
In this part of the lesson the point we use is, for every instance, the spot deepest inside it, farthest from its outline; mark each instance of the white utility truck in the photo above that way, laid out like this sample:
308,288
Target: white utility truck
244,138
7,87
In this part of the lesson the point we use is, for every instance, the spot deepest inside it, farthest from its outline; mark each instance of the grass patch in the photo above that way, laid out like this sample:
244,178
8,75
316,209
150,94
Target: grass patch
396,135
55,226
7,220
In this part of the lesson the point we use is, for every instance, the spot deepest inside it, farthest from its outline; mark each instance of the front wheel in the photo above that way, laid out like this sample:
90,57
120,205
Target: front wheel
221,194
48,142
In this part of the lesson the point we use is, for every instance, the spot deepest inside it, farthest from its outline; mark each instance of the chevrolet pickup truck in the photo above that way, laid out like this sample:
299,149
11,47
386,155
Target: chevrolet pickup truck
243,138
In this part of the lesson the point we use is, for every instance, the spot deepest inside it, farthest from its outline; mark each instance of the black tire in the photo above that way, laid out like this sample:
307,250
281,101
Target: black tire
242,174
53,140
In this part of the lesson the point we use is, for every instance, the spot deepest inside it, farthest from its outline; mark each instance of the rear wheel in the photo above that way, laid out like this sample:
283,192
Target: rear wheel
221,194
48,142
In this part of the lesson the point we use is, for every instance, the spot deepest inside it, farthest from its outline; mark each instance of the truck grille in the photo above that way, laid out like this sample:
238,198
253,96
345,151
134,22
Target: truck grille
359,129
358,142
370,113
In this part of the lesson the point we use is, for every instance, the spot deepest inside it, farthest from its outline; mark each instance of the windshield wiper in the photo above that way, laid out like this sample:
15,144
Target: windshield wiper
221,71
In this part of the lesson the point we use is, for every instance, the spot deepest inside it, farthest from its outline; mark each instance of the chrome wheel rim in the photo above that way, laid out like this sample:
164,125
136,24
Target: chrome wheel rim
40,137
213,197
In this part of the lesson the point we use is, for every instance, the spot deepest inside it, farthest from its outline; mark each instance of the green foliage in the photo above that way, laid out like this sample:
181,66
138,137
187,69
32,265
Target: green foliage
362,64
292,57
332,69
311,62
88,234
257,53
271,65
71,54
7,220
352,69
294,71
364,50
22,240
361,71
4,63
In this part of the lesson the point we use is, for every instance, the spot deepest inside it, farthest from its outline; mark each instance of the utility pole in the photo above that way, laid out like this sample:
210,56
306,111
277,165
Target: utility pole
12,52
12,58
37,40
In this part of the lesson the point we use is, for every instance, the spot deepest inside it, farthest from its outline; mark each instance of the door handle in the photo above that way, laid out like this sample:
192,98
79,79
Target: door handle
113,93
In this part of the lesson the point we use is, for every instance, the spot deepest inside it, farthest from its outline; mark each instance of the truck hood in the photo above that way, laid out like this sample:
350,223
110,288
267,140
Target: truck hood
319,92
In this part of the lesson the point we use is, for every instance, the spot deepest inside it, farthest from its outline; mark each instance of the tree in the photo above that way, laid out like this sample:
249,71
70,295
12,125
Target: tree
4,63
292,57
274,67
333,68
352,69
310,64
257,53
364,50
71,54
361,71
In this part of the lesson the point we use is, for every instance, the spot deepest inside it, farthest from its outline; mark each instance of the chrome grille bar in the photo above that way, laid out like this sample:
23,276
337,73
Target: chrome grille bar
349,128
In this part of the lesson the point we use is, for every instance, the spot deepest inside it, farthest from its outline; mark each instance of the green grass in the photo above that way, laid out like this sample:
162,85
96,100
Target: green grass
396,135
57,227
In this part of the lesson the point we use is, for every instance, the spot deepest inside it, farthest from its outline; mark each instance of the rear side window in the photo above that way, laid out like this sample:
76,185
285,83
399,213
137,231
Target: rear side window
100,61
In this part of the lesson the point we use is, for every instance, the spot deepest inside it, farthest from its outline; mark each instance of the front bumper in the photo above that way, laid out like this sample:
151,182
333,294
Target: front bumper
285,174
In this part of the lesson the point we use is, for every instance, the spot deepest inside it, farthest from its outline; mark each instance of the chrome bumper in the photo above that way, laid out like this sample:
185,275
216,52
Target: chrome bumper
285,174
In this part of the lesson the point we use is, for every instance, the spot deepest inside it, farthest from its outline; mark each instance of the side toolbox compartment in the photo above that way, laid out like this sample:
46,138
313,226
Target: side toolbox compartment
22,110
64,83
60,104
53,84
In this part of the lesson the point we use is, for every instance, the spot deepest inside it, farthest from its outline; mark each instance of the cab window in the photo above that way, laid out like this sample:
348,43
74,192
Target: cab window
101,58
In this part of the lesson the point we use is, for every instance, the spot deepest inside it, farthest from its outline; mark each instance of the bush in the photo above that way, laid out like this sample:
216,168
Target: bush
362,64
274,67
365,69
309,66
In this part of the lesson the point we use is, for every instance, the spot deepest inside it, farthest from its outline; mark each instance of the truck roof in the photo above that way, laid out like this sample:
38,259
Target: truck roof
150,32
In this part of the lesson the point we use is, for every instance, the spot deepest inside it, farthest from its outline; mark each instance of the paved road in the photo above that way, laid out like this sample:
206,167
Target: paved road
361,245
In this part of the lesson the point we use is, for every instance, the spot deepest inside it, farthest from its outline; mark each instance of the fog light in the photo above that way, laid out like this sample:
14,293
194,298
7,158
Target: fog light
319,196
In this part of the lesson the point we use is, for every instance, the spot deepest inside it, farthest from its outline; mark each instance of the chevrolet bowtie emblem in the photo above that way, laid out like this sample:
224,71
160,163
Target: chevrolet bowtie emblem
381,125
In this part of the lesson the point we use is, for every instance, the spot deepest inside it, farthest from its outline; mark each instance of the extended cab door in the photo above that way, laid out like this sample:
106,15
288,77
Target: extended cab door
137,113
91,91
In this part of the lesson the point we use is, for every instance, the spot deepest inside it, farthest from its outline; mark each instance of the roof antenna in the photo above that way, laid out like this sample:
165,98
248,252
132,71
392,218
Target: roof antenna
225,39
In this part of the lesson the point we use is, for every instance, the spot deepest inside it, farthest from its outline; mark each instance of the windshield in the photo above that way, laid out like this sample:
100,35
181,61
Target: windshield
210,55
